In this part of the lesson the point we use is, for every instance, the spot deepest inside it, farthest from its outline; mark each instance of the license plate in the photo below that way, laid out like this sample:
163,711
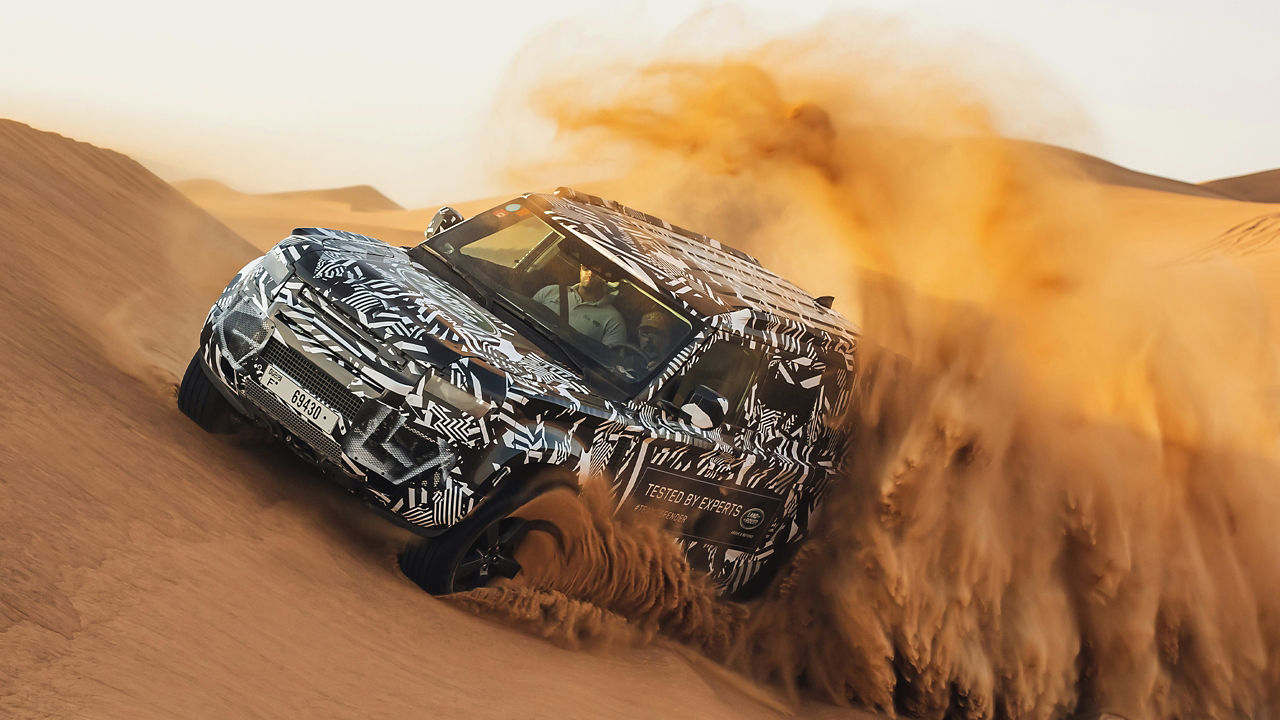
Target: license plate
299,400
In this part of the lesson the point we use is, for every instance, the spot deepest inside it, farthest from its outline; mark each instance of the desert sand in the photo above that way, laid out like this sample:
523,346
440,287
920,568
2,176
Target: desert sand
152,571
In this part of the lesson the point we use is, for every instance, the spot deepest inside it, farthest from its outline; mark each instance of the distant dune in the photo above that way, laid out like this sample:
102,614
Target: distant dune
265,219
1100,171
1255,187
363,198
360,197
204,186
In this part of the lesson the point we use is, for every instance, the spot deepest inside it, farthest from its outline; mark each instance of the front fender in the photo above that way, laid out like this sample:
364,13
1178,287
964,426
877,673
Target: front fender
531,443
522,445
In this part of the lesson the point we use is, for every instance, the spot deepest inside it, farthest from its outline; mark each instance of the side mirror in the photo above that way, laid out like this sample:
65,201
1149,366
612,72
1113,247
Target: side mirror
445,218
705,408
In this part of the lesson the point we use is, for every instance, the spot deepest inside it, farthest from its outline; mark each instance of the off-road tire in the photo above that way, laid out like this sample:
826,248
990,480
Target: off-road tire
200,400
435,564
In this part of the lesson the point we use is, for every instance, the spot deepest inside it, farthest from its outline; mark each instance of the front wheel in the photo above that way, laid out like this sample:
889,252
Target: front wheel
493,543
200,400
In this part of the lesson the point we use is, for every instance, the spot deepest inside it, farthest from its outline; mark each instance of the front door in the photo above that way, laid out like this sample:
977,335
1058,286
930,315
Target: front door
699,482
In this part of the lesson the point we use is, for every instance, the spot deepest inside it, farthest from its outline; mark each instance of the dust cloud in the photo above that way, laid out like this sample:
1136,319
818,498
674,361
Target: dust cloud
608,580
1063,501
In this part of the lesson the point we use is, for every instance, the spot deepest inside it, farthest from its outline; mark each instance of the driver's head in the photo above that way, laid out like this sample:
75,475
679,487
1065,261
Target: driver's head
654,334
589,279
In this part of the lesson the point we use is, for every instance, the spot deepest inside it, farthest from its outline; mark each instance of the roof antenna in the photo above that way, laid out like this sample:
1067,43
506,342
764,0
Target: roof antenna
826,300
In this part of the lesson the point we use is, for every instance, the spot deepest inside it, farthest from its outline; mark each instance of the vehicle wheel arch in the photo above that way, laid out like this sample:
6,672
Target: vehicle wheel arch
520,470
522,451
438,563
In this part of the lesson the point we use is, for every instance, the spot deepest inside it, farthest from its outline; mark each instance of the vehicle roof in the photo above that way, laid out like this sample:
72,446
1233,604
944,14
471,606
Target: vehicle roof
711,279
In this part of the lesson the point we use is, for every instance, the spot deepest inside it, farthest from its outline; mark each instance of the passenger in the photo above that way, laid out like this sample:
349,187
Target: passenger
591,310
654,336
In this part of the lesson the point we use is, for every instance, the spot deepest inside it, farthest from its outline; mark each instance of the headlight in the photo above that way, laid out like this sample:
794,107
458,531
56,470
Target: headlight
243,330
275,266
232,290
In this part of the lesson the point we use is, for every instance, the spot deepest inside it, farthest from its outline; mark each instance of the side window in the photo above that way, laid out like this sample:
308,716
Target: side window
837,393
788,397
726,367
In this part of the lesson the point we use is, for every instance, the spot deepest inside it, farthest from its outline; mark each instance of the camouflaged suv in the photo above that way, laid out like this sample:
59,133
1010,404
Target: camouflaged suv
555,338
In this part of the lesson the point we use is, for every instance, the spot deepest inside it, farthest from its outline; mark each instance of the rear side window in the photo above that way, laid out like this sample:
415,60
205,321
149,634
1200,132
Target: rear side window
728,368
788,395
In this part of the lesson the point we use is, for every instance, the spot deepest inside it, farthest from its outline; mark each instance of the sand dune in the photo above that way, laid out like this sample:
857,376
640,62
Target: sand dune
265,219
1255,235
362,198
359,197
1098,170
1254,187
148,570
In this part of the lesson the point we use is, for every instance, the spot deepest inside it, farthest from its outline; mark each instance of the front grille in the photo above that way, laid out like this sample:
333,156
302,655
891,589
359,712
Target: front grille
308,433
312,379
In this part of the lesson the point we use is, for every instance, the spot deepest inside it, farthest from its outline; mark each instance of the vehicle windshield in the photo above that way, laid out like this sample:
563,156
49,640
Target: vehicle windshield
584,304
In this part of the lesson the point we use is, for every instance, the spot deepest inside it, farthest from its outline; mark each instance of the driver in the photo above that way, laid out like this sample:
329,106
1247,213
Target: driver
591,310
654,336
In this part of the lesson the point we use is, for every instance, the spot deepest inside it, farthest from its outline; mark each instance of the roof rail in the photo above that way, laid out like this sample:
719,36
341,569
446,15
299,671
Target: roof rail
589,199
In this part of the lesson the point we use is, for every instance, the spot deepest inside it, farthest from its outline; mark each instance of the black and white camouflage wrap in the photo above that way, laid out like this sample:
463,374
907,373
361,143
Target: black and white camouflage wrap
438,401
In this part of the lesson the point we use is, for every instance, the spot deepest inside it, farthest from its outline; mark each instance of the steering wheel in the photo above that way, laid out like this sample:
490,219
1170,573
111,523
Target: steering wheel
630,360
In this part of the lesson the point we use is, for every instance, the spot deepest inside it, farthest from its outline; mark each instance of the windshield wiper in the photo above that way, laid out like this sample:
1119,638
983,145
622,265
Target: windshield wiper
477,291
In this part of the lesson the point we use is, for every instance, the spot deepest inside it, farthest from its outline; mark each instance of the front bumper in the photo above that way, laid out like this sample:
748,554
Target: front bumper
380,439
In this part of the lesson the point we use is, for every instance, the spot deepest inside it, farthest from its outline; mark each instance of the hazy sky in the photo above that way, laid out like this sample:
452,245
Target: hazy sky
270,95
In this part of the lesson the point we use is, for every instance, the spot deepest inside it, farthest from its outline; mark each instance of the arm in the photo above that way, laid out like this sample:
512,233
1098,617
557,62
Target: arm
615,330
548,296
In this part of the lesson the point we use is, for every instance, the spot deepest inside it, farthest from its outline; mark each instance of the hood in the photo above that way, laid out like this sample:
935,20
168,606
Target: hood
428,320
